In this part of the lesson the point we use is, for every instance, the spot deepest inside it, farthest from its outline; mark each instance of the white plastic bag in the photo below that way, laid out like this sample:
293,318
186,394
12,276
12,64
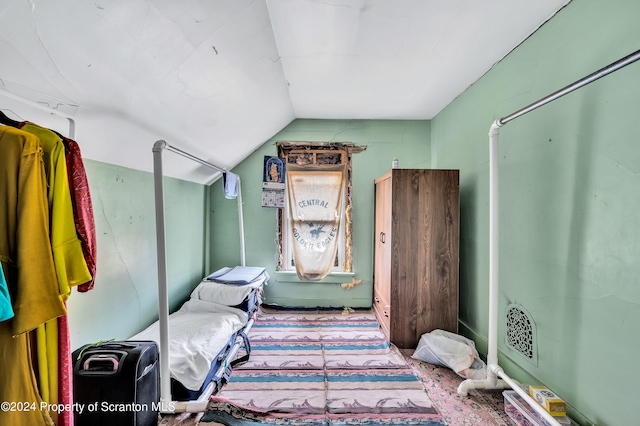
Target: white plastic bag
451,350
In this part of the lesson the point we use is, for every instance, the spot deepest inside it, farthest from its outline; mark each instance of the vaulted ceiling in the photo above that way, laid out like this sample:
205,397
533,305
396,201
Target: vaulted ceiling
220,77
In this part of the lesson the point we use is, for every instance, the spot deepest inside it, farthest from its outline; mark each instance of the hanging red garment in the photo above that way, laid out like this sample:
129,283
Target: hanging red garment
82,208
85,227
65,381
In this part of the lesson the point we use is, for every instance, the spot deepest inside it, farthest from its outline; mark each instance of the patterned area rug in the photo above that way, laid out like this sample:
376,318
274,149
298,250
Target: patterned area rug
322,368
479,408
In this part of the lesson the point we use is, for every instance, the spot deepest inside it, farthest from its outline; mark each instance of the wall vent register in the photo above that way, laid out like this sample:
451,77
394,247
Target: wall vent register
521,333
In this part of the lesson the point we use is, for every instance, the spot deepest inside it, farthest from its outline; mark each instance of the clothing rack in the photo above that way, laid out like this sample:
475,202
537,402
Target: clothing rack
166,405
496,377
72,122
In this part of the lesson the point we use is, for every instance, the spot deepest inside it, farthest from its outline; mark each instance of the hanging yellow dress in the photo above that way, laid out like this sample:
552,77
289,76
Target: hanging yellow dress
71,267
25,250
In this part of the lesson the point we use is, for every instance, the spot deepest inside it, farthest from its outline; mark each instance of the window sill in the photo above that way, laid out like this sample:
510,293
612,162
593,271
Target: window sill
333,277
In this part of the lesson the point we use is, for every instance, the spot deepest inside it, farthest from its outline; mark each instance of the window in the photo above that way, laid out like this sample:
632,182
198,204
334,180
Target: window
318,154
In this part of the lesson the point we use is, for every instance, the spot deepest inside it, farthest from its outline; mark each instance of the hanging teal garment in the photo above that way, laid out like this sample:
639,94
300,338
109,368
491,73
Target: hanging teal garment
6,311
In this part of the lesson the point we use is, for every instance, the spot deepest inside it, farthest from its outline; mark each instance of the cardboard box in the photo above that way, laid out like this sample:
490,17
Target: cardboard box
549,400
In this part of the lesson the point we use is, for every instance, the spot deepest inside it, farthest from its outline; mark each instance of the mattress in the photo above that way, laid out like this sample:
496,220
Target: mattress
220,370
198,332
203,330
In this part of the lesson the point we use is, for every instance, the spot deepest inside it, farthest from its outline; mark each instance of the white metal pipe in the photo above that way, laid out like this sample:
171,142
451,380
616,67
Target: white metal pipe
491,382
163,297
166,404
532,402
197,406
467,385
241,225
494,371
492,354
615,66
192,157
72,122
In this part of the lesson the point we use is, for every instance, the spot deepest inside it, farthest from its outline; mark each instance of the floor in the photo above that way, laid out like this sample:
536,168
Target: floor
480,407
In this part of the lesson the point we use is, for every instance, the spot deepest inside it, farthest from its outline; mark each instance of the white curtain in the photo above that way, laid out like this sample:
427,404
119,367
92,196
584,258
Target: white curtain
315,207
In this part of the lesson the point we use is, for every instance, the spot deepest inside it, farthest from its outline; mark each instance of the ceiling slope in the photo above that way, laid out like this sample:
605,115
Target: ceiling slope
404,59
218,78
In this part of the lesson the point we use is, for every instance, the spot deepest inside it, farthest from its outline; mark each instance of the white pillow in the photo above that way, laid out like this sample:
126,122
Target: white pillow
223,294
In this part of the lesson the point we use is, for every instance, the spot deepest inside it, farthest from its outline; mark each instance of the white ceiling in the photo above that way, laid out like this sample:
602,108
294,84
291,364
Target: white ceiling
218,78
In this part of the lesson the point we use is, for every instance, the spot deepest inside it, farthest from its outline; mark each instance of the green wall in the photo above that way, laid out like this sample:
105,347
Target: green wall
569,202
409,141
569,182
125,297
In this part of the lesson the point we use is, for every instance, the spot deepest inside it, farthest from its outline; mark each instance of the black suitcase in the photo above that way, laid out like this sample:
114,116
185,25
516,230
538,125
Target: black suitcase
116,383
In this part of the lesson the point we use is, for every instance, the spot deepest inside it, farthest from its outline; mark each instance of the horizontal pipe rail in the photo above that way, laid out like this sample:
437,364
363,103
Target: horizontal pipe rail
572,87
160,145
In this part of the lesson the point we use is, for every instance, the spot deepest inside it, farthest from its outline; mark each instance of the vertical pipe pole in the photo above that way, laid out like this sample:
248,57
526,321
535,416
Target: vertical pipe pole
163,298
207,232
241,224
492,353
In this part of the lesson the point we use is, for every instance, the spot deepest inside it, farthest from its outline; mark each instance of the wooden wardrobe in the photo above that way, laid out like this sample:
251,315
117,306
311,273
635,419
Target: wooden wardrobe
416,266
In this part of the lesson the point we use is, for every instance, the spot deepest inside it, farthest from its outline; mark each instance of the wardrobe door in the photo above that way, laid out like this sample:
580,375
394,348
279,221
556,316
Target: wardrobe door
407,264
439,295
382,265
424,269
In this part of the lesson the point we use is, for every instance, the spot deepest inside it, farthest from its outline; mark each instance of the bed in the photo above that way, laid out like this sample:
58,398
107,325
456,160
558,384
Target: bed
208,330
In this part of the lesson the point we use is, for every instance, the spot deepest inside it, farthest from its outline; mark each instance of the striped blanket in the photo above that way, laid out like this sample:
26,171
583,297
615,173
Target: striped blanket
322,368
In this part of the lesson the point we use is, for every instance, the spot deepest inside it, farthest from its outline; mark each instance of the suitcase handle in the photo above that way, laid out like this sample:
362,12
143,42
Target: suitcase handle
101,358
114,345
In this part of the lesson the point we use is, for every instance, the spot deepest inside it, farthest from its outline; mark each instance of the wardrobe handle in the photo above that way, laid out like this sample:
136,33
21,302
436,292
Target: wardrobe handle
377,299
382,237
